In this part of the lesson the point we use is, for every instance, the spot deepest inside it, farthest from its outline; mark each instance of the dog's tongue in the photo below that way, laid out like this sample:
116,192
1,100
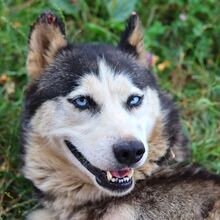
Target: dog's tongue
120,173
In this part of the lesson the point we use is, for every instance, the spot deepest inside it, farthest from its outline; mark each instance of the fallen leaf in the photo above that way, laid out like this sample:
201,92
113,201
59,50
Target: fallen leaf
155,59
164,65
16,24
3,79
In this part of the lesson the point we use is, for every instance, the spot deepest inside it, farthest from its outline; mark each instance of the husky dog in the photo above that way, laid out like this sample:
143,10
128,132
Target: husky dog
96,126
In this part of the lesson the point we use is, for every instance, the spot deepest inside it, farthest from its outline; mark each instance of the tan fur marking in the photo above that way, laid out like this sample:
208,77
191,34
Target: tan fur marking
137,40
44,42
157,148
215,213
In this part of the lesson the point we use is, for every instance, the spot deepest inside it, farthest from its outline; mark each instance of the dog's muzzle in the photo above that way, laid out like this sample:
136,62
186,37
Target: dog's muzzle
117,180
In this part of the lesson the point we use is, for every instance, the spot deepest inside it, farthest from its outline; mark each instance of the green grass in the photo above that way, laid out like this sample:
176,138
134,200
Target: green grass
184,34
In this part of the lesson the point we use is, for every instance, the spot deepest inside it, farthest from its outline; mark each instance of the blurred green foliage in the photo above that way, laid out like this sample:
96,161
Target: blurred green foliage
182,33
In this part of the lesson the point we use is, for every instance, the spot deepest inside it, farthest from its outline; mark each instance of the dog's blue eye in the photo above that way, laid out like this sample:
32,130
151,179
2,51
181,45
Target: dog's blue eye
134,101
83,102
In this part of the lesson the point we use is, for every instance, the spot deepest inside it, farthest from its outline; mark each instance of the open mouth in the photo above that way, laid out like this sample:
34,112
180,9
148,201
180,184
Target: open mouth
114,180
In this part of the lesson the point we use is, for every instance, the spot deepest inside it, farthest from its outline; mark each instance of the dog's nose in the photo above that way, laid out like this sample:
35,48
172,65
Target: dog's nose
129,152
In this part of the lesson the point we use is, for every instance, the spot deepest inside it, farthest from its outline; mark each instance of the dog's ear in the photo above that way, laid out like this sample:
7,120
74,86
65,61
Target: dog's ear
132,39
46,37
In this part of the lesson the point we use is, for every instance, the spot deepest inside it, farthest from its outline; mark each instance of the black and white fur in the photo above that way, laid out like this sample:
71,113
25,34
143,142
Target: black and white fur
68,152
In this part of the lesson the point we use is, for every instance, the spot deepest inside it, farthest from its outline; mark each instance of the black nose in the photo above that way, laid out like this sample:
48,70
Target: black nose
129,152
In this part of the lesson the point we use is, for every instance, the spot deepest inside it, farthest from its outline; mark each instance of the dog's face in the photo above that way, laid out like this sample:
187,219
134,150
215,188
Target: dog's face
96,102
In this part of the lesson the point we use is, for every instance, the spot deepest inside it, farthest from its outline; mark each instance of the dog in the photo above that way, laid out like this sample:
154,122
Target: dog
96,126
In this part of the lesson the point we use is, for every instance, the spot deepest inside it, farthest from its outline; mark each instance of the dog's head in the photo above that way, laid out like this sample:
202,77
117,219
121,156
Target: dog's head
96,104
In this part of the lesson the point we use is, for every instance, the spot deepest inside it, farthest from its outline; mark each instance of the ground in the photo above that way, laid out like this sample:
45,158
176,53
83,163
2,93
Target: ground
183,36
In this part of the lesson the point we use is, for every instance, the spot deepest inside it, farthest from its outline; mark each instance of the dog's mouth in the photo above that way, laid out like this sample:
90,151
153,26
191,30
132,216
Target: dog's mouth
114,180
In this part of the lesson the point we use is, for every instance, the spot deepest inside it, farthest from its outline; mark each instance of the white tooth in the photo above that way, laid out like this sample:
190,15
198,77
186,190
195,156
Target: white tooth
126,179
130,174
116,179
109,176
113,180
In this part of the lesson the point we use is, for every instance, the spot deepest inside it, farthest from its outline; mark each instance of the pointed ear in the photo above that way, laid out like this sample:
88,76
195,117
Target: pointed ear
132,39
46,37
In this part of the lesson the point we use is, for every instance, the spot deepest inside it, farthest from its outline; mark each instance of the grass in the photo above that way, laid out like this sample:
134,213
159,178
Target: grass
183,34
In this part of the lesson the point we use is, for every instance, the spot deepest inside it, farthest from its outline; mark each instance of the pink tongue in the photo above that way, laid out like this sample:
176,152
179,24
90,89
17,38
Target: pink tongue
120,173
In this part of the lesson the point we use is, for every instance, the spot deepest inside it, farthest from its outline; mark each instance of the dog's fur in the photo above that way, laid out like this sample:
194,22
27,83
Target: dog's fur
178,192
59,72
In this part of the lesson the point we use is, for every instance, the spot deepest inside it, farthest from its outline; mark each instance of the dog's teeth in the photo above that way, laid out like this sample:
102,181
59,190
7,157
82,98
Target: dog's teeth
126,179
120,180
131,174
113,180
109,176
